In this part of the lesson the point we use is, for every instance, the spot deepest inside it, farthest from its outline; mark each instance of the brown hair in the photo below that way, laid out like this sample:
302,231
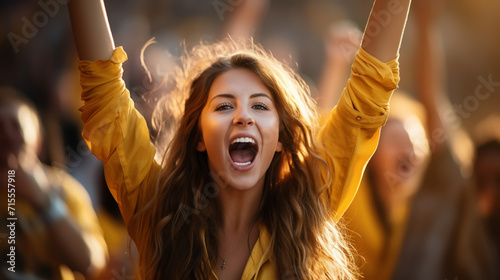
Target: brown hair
182,242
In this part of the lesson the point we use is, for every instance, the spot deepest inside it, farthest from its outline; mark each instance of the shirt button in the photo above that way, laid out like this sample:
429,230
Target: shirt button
358,118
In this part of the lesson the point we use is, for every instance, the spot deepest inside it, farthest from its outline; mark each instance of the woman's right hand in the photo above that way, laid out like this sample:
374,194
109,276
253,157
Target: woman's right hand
342,42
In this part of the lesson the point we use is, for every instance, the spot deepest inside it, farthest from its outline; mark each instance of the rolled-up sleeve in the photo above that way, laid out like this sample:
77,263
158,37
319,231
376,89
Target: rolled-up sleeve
115,131
351,133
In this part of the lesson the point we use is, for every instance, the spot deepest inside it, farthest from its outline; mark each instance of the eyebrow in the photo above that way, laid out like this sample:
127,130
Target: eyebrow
230,96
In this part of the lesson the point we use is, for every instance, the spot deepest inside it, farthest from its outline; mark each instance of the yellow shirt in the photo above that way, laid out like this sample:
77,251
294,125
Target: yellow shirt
380,249
117,134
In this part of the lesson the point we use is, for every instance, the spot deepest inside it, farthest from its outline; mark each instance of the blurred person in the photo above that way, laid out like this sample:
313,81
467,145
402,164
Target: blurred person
389,214
57,235
379,213
247,133
444,235
487,178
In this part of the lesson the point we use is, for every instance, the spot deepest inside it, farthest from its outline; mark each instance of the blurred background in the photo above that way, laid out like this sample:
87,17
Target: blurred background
38,57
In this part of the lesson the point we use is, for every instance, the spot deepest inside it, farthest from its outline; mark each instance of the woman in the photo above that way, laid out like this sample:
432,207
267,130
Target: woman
244,189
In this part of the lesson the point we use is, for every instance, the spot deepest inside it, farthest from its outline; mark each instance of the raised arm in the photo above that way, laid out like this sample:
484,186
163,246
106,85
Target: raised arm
352,130
341,44
91,31
384,30
430,65
443,124
243,22
116,133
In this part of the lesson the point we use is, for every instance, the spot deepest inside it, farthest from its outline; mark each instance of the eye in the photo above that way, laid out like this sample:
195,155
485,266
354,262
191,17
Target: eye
260,106
223,107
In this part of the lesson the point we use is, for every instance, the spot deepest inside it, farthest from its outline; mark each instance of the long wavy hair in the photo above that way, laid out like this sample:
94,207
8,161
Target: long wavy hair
180,240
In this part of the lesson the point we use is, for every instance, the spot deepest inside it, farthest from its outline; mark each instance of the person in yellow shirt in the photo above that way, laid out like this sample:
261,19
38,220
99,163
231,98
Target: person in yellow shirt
247,187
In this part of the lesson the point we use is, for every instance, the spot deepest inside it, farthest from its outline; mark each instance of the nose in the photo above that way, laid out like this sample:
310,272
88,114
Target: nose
243,117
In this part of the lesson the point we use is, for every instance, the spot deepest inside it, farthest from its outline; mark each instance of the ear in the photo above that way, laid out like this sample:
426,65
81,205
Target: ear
279,147
201,146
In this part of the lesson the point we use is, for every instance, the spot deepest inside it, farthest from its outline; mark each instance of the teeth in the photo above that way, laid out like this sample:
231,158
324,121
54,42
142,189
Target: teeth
242,163
243,140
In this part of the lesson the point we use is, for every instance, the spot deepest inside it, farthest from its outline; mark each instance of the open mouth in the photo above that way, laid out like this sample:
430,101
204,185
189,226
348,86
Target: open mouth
243,150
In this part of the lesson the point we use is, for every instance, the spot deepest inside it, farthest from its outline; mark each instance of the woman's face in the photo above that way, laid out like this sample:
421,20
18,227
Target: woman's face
240,129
